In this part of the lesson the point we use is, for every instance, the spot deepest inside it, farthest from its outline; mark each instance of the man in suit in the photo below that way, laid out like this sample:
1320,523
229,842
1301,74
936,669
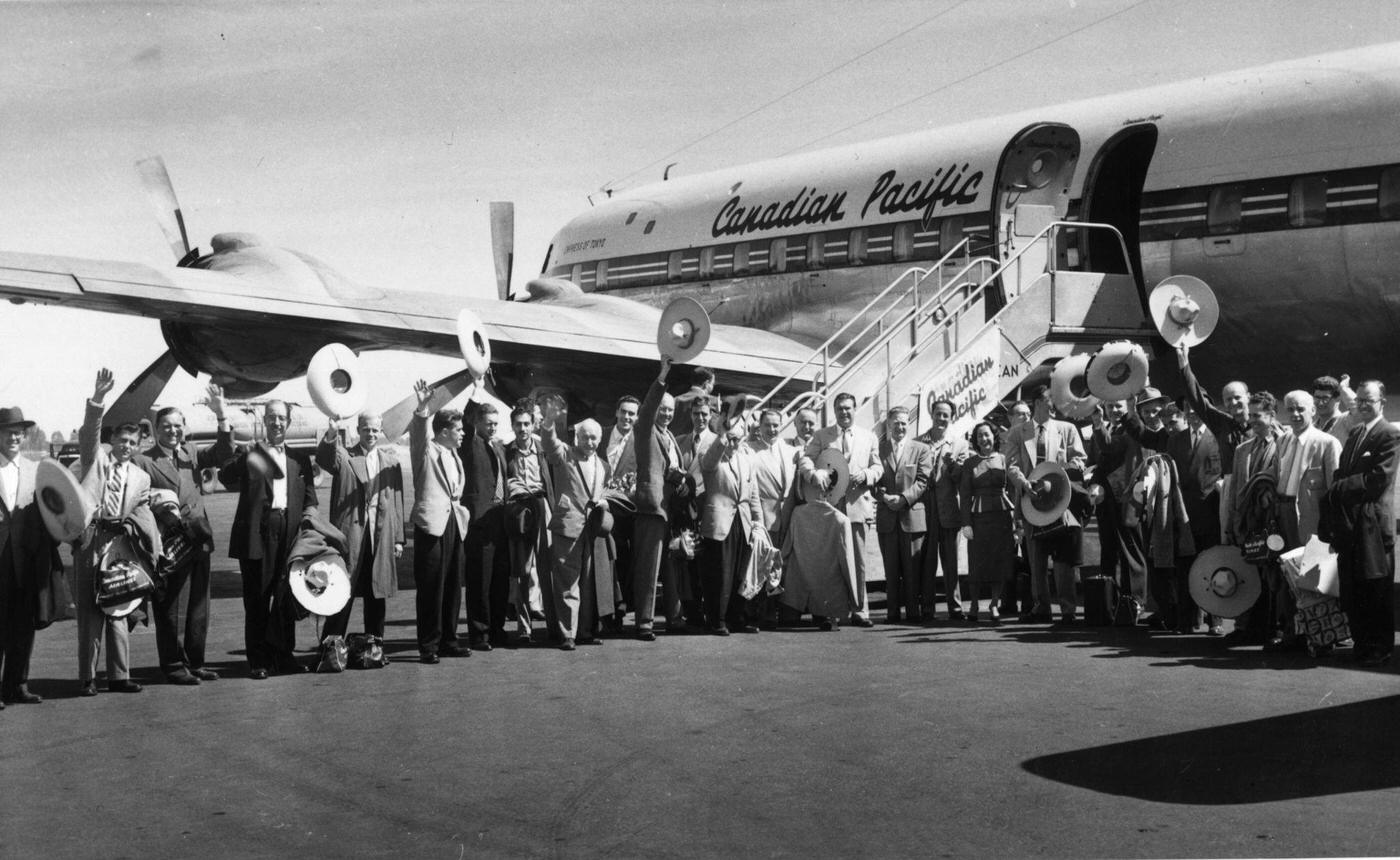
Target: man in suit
1028,445
28,557
367,507
900,518
529,488
575,529
685,504
1116,450
1334,404
729,513
1360,524
804,424
861,450
439,523
486,547
119,489
276,490
658,468
1257,455
619,448
944,518
176,465
774,470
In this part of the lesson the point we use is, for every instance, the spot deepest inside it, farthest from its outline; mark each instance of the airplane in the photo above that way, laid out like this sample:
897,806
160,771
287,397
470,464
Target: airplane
1279,185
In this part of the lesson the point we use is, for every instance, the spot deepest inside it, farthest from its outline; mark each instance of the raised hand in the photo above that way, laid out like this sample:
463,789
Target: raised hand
665,367
217,403
424,393
103,385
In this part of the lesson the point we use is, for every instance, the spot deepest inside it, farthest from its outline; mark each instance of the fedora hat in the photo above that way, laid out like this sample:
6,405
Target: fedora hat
832,460
1048,498
684,330
1069,390
1222,583
321,585
334,382
13,417
1118,371
1184,310
66,508
600,519
1150,395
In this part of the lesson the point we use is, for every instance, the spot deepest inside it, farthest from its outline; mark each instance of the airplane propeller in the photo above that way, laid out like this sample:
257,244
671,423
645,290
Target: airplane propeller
397,417
155,179
134,403
503,245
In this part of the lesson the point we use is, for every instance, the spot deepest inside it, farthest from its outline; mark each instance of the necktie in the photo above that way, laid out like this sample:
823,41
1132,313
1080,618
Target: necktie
846,442
112,494
1041,454
500,491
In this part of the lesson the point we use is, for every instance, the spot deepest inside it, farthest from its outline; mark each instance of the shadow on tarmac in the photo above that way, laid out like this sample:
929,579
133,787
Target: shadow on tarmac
1332,750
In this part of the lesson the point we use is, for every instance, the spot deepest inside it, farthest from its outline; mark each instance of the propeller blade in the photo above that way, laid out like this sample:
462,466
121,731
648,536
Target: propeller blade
134,404
503,245
159,190
397,417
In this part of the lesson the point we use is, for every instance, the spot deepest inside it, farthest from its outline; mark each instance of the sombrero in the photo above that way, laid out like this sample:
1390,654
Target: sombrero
834,462
1049,495
1069,390
1118,371
1222,583
684,330
322,586
1184,310
334,382
65,506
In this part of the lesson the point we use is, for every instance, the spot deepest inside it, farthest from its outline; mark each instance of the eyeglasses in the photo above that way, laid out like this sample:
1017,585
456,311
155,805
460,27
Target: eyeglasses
1370,400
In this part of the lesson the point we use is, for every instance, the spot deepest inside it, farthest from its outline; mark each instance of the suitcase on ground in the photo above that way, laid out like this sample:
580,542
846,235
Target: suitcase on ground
1100,601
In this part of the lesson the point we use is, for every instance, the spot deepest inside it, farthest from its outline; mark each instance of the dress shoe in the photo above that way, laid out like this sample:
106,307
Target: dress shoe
89,688
589,640
893,617
205,674
825,624
1066,621
721,630
454,650
1035,618
124,685
860,621
182,678
646,634
749,628
1277,642
482,645
522,640
258,674
21,696
290,666
566,645
429,658
1215,630
956,615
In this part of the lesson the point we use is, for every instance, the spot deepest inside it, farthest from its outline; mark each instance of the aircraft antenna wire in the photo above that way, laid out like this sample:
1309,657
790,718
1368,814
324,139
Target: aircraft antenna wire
802,86
965,78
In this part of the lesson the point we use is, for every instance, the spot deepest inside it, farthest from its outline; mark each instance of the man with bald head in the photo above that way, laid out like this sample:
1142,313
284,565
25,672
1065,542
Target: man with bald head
1230,425
1359,521
658,465
582,570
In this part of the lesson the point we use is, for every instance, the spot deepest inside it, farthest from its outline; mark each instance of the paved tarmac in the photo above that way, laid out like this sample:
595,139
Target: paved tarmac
954,740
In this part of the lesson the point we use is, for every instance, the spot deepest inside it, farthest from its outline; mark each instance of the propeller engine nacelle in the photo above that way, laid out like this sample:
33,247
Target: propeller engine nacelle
245,361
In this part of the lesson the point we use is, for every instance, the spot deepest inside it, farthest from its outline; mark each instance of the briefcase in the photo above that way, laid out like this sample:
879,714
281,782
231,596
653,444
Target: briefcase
1100,601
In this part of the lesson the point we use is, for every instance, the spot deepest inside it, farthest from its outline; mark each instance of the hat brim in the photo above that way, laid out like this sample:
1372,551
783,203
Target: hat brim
683,309
329,601
1118,371
833,461
1159,308
1043,509
1246,584
65,507
1069,371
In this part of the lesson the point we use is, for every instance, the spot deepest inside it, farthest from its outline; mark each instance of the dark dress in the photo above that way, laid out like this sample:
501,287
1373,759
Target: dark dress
986,506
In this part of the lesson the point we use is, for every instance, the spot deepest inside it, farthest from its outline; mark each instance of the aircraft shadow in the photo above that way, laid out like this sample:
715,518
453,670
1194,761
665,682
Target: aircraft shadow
1348,748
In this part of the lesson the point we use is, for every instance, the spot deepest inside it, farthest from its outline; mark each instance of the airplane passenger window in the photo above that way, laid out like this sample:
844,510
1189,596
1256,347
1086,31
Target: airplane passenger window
673,267
903,247
1307,201
1389,193
857,248
707,262
816,250
630,218
650,226
741,258
1226,209
577,275
602,279
950,233
777,255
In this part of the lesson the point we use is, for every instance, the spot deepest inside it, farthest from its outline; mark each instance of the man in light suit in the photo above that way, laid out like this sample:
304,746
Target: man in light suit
861,450
119,489
774,470
1307,458
176,465
1028,445
367,507
900,519
658,474
575,531
944,516
28,557
729,513
276,489
439,524
1360,525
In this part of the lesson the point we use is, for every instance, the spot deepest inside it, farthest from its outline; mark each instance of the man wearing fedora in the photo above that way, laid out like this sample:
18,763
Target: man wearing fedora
176,465
1046,439
276,489
861,451
28,557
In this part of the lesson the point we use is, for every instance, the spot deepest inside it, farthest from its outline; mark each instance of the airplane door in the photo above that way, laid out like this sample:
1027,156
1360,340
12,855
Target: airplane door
1032,191
1113,195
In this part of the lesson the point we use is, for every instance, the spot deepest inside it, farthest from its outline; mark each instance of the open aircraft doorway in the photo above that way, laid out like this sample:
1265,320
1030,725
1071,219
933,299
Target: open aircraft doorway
1113,195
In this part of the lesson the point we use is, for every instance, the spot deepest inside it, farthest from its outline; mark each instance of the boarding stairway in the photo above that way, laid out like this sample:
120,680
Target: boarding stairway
971,329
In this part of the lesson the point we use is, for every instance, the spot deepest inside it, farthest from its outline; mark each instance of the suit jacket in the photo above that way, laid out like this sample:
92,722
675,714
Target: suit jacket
1307,462
1251,458
482,460
1062,445
33,552
250,474
941,506
774,470
354,492
95,465
729,487
1116,455
572,494
626,458
863,457
907,476
1359,509
435,489
180,473
653,447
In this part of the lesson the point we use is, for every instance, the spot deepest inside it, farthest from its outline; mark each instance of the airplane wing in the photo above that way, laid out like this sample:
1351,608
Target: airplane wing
588,342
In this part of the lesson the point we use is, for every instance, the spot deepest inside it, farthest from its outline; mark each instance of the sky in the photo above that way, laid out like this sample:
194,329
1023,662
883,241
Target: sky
373,135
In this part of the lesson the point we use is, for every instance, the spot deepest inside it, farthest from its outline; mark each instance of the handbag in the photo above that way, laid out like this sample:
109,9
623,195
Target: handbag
121,576
365,652
333,655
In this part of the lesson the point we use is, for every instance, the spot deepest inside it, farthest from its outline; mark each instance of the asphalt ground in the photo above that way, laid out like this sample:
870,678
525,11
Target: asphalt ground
954,740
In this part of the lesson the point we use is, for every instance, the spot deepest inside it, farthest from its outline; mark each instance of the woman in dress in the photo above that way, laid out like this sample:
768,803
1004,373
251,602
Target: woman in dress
988,523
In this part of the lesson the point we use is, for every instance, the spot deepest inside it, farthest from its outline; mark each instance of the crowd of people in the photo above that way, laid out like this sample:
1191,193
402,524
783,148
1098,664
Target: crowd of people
557,535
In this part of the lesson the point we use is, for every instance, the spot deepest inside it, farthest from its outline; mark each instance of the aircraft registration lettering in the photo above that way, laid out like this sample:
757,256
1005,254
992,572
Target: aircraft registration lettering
585,245
947,186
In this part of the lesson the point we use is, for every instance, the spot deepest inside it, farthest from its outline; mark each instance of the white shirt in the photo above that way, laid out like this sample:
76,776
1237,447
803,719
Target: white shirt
9,482
615,446
279,485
